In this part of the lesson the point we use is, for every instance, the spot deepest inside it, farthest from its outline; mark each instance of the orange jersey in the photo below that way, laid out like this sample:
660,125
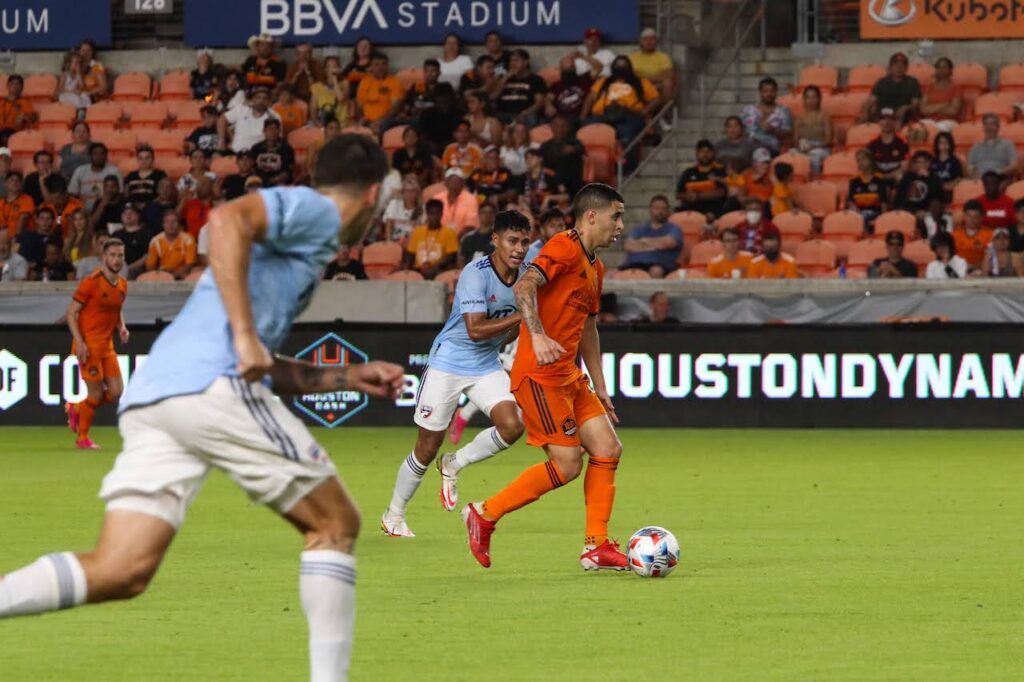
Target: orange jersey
972,247
571,295
101,304
720,268
784,267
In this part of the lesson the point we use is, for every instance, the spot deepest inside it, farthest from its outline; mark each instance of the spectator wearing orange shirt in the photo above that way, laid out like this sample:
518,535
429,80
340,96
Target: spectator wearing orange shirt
732,263
379,91
622,100
973,238
172,250
432,248
196,210
773,263
16,208
462,153
16,112
460,209
61,203
264,67
943,102
291,110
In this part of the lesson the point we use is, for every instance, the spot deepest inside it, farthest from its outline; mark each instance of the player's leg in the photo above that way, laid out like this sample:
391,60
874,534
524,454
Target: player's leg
81,414
112,381
461,420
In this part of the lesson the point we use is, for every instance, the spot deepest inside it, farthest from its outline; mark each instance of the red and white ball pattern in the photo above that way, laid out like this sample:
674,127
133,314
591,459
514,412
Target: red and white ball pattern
653,552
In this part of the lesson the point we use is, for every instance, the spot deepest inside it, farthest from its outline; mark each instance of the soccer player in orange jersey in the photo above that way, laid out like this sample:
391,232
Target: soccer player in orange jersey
559,298
93,316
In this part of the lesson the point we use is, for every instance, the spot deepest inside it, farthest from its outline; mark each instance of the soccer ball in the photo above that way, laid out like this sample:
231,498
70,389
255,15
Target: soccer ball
653,552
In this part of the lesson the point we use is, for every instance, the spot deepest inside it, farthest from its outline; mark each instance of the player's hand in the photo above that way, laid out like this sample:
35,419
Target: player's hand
83,354
609,407
379,379
254,360
546,349
124,334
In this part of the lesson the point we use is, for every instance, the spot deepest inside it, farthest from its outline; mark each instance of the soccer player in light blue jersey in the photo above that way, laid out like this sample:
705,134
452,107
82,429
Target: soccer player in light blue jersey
464,359
204,400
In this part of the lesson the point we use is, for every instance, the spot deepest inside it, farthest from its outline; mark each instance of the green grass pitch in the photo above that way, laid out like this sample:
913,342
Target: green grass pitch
806,555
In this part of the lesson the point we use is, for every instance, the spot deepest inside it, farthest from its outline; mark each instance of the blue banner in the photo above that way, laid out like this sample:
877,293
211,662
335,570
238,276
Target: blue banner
53,24
227,23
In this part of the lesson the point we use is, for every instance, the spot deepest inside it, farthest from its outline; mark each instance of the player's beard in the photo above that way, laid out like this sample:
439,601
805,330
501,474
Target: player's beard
354,229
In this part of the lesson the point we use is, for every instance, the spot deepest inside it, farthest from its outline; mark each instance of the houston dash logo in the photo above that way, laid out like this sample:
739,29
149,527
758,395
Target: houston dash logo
335,407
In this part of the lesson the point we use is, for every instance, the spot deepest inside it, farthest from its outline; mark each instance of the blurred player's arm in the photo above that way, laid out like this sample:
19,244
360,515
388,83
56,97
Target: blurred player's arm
479,327
546,349
590,351
76,332
381,379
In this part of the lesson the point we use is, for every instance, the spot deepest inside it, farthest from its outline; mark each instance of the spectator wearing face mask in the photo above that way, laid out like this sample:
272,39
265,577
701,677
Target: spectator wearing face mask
947,265
772,263
755,223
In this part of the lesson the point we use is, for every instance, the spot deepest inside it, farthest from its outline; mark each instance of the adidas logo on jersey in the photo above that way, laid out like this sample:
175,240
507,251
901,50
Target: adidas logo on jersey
493,298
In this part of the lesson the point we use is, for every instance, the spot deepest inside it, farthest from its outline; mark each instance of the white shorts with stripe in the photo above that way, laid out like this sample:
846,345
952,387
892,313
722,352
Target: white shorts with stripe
439,394
240,428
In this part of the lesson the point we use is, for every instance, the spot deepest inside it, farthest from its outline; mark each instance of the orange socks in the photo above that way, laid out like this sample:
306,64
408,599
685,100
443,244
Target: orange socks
531,484
599,494
86,411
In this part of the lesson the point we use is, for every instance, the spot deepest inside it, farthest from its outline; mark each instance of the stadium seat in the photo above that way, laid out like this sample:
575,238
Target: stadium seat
301,139
223,166
801,164
165,142
391,141
359,130
793,101
127,165
55,139
175,86
839,168
859,135
541,134
703,253
965,190
55,116
380,259
631,273
174,166
185,114
598,140
550,74
409,77
40,88
25,143
146,115
901,221
691,223
972,79
120,143
193,276
731,219
844,108
432,190
966,135
155,276
795,227
822,75
819,198
449,278
3,85
920,254
998,103
1011,78
104,115
842,228
923,72
816,258
405,276
1014,132
861,255
862,78
133,86
1016,190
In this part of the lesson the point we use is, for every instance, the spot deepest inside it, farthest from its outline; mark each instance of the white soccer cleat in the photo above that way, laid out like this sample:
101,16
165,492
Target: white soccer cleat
449,482
394,526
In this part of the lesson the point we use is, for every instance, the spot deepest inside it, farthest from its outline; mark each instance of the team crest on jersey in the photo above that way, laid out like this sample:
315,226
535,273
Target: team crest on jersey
333,407
93,371
426,411
569,426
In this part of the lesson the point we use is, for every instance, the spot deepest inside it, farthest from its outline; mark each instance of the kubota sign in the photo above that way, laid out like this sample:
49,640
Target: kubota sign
949,19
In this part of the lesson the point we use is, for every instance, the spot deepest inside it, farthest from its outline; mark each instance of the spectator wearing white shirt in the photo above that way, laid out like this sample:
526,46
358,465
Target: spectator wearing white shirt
404,213
245,122
591,57
453,62
13,267
87,180
947,265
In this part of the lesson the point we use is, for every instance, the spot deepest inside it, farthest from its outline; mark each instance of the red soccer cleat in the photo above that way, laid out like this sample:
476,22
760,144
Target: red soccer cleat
480,530
457,427
604,557
72,412
86,444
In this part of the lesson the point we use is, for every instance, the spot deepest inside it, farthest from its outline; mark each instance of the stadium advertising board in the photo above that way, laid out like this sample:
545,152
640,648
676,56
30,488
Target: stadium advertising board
942,19
52,24
873,376
406,22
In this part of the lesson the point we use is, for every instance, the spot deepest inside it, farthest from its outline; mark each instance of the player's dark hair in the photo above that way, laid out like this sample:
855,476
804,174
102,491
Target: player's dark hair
56,184
349,160
592,197
974,205
112,242
511,220
551,214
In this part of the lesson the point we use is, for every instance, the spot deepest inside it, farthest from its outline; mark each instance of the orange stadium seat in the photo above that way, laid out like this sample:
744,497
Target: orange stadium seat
923,72
392,139
25,143
598,140
691,223
1016,190
380,259
972,79
409,77
731,219
861,256
920,254
966,135
301,139
1014,132
175,86
449,278
842,229
815,258
795,227
631,273
359,130
133,86
859,135
146,115
55,116
1011,78
432,190
120,143
901,221
801,164
839,168
3,85
550,74
165,142
822,75
174,166
998,103
862,78
405,276
703,253
127,165
541,134
40,88
844,108
223,166
104,115
965,190
793,101
819,197
185,114
55,139
155,276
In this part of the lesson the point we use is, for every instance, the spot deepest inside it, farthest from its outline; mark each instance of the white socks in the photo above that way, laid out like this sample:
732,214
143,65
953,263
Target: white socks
327,590
486,444
468,410
410,475
53,582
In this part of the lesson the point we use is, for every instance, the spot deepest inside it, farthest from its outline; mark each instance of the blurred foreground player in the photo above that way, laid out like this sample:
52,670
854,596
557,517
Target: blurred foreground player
93,316
180,419
559,297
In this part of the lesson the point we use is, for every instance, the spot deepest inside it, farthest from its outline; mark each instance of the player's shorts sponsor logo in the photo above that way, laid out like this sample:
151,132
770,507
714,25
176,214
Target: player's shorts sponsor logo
426,411
334,407
13,379
569,426
93,371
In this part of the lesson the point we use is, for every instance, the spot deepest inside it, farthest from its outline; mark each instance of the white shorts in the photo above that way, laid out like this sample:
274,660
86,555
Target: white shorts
240,428
439,393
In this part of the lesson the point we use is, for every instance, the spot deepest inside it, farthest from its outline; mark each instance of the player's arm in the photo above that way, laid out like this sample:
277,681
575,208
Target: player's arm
380,379
122,329
546,349
480,328
590,351
74,308
233,229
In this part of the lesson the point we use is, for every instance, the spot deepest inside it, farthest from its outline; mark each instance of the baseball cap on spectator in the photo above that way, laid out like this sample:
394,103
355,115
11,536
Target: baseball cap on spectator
490,148
762,155
771,232
648,32
1000,231
204,50
454,172
5,151
592,33
894,237
887,112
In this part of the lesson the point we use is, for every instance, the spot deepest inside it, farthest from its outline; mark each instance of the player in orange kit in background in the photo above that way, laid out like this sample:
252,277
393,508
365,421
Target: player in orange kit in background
94,314
559,298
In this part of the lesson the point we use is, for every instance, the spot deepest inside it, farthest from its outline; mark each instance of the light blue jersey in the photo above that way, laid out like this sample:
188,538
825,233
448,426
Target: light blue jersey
533,251
284,269
479,290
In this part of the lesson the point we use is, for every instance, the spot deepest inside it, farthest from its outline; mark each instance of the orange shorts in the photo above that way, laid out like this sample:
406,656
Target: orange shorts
101,364
553,414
